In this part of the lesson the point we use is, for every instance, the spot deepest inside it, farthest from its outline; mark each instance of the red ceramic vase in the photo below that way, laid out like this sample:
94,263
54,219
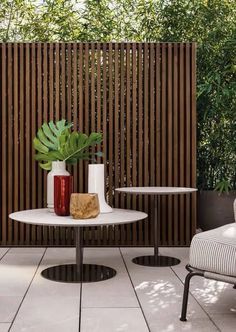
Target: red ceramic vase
63,188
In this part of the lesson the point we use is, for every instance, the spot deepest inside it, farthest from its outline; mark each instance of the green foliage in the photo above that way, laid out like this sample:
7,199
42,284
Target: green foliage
211,23
57,142
223,186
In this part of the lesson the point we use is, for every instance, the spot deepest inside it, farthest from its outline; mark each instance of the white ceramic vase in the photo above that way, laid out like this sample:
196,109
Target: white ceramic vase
58,168
96,185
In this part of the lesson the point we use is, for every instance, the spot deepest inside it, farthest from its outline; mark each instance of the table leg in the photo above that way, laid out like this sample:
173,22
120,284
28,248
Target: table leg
79,250
156,226
79,272
156,259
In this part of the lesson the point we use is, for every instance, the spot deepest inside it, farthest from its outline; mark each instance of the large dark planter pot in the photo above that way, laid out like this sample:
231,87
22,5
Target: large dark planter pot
214,209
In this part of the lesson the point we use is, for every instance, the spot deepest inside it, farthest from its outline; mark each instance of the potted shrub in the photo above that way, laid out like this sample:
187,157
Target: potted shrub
217,146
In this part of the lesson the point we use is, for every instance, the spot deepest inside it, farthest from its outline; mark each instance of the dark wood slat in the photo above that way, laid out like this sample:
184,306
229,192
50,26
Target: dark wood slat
146,139
16,142
10,187
175,143
158,130
151,157
28,171
164,152
4,145
181,142
39,124
22,140
134,135
169,141
140,137
33,133
187,139
194,140
122,136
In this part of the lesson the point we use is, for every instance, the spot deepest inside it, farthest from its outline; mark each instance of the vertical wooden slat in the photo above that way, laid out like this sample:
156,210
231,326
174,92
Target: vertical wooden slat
181,143
63,81
69,114
57,82
16,142
39,124
22,141
51,108
158,131
63,114
75,104
122,136
128,137
163,141
51,82
99,118
151,137
57,116
86,114
146,138
134,134
33,133
169,141
45,119
10,139
187,140
98,87
111,132
104,125
140,136
175,143
128,121
116,136
28,174
4,145
194,139
81,110
93,118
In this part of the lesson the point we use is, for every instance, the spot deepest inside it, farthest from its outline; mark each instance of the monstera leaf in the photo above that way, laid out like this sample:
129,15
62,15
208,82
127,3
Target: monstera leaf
56,142
75,146
47,142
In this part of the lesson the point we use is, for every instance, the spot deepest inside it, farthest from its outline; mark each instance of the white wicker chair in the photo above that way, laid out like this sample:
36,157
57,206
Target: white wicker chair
213,256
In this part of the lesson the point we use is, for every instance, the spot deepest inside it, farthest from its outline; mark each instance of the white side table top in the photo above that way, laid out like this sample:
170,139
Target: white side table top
46,218
156,190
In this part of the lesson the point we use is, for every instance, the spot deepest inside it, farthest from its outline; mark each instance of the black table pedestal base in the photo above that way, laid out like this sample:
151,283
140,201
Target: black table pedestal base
70,273
156,261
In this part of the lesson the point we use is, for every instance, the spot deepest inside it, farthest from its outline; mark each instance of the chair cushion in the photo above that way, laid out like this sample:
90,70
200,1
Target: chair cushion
215,250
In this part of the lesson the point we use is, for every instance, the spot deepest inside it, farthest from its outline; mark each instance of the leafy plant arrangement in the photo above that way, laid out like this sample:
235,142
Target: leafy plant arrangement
56,142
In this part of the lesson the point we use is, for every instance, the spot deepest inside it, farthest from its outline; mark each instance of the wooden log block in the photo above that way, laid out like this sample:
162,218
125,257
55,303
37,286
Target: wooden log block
84,206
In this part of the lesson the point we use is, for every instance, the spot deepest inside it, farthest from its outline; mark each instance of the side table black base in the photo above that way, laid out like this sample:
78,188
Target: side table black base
156,261
69,273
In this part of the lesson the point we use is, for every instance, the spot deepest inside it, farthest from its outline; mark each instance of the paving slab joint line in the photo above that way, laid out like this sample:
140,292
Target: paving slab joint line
134,290
5,254
39,263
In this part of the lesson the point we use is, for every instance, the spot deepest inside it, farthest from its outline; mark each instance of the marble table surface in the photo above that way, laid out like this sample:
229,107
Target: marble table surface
46,218
156,190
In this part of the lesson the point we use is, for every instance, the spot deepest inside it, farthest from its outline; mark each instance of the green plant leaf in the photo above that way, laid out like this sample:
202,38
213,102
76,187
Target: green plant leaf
39,146
44,139
47,142
47,166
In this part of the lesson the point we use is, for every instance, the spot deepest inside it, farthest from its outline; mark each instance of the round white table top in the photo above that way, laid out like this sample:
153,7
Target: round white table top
46,218
157,190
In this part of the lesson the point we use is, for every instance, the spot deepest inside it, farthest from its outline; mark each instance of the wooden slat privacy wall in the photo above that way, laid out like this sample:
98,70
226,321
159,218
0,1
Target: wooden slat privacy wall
141,96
